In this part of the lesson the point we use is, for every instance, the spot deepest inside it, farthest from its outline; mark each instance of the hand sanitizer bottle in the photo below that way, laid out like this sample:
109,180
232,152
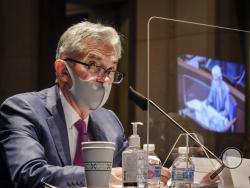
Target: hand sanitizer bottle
134,162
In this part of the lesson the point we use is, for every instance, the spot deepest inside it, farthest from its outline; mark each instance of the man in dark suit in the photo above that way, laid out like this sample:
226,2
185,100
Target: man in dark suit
39,133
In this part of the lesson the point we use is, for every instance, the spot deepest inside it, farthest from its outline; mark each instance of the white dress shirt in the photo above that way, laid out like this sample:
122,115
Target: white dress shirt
71,117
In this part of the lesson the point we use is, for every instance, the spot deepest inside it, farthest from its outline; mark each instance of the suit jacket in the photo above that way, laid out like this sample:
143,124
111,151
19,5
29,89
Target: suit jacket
34,142
220,101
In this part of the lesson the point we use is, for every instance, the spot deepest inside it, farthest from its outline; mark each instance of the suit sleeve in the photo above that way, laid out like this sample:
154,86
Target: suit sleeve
24,156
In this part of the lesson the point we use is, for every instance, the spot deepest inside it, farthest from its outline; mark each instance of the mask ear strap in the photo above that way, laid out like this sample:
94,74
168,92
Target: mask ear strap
69,69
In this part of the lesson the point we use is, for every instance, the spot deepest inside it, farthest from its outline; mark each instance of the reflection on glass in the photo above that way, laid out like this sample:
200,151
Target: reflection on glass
212,105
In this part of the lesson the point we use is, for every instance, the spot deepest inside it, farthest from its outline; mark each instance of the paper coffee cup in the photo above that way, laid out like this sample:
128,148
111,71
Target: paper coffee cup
98,165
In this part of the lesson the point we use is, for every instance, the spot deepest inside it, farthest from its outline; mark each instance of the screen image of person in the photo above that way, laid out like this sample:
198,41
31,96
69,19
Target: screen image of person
219,96
39,130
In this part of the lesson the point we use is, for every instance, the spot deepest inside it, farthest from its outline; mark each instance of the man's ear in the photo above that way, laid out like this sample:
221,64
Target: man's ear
62,71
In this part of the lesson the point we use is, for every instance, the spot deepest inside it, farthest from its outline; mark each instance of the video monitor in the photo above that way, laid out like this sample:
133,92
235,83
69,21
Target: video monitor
211,92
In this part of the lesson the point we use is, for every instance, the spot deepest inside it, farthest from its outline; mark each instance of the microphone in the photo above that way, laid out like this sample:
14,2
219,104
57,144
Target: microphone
143,101
138,98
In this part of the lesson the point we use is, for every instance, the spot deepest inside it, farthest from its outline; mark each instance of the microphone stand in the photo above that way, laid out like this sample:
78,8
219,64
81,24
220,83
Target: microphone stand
142,102
183,130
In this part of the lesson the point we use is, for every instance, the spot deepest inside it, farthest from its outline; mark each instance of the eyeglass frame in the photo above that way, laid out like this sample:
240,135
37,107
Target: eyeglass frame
106,71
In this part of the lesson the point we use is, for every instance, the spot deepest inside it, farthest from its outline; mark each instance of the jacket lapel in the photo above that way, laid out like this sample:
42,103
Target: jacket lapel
57,126
94,129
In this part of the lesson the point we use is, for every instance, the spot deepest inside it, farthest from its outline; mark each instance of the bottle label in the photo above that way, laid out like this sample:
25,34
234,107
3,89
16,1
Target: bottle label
182,175
129,168
154,174
134,167
142,167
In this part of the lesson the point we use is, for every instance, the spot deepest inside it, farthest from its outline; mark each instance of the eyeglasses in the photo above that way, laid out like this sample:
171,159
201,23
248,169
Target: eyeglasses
115,76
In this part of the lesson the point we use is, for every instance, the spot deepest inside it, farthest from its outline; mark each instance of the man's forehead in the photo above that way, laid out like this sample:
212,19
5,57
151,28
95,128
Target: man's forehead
101,46
98,56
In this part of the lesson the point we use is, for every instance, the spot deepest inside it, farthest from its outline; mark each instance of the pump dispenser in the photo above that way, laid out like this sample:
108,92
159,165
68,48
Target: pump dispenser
134,139
134,161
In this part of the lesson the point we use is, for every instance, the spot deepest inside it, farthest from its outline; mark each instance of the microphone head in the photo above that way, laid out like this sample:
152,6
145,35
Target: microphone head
138,98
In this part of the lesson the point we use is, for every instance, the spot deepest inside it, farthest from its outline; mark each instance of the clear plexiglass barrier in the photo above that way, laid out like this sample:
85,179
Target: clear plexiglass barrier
199,75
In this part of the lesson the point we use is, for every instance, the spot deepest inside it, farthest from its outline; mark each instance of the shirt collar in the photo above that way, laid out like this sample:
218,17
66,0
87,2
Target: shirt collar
71,116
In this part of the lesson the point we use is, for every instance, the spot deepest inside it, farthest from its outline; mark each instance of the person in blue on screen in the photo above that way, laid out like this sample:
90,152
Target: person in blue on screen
219,97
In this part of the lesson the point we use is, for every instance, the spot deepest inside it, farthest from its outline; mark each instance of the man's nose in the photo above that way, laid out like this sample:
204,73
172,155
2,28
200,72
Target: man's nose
102,78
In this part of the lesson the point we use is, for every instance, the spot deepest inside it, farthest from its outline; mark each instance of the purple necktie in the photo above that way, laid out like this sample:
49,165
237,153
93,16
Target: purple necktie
82,137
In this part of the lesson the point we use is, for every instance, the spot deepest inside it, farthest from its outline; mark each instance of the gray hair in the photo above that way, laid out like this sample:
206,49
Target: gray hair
72,40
